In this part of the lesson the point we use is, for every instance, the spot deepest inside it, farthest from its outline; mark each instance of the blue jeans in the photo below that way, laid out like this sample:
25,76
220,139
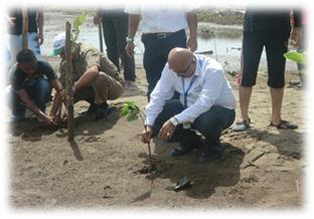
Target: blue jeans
156,55
210,124
39,91
15,45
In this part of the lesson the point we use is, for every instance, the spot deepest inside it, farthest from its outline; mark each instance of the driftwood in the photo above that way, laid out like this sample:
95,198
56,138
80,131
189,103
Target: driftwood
208,52
69,79
24,28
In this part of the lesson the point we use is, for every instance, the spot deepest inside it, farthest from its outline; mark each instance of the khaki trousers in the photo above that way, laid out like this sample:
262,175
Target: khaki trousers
103,88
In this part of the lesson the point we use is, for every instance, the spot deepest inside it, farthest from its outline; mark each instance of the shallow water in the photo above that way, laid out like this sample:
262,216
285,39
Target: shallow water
224,41
220,45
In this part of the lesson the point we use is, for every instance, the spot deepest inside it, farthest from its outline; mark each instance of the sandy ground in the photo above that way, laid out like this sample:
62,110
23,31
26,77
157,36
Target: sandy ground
263,168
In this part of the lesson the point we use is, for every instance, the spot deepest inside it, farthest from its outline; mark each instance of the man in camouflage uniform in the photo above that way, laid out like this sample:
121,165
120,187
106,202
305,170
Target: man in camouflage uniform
95,78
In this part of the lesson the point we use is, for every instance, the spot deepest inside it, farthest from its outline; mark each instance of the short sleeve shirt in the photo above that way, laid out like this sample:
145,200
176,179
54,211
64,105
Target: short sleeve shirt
18,76
86,58
161,18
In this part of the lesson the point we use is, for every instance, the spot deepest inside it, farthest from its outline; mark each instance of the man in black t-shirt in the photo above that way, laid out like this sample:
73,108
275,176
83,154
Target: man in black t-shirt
31,82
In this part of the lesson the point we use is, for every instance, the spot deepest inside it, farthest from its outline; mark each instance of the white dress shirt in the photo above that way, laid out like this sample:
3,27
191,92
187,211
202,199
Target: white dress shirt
160,18
210,88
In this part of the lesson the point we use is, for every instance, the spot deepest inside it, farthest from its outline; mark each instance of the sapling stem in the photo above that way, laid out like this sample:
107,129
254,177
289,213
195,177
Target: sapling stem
148,145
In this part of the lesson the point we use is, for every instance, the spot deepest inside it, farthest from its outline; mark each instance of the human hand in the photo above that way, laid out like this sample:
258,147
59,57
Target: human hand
296,37
129,48
166,130
64,118
96,19
50,121
40,38
11,21
146,134
192,44
63,95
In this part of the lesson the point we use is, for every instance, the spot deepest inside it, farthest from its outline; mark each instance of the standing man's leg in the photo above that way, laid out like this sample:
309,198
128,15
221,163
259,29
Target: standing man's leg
110,36
276,102
177,39
156,55
153,61
121,20
252,48
15,46
245,94
276,46
33,44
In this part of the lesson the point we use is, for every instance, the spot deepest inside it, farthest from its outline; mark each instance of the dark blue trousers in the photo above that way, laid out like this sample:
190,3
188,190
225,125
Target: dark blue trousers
156,54
115,28
39,91
210,124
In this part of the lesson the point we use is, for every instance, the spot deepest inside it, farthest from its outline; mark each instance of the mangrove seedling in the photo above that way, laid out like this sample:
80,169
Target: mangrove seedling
132,112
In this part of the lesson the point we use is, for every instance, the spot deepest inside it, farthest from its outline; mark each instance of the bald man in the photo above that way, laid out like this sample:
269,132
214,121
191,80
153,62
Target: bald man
206,105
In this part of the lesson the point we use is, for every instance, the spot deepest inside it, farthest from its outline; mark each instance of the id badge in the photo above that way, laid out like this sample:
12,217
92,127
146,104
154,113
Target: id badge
187,125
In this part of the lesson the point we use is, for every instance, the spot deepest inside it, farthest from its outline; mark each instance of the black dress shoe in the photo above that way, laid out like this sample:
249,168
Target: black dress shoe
181,150
210,152
91,110
102,112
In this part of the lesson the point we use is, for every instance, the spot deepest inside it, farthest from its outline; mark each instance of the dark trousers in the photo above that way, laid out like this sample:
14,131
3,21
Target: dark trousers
156,54
39,91
275,44
210,124
115,28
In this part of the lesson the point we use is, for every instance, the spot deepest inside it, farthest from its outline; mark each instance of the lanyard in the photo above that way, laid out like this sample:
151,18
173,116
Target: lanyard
186,92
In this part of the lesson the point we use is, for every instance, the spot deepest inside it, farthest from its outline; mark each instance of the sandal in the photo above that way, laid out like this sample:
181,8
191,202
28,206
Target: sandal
241,126
284,125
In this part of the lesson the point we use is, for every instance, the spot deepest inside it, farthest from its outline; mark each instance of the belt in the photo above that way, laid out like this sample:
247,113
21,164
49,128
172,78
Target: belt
161,35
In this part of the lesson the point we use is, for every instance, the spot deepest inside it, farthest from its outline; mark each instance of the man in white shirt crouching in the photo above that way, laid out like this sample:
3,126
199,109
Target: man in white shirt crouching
206,105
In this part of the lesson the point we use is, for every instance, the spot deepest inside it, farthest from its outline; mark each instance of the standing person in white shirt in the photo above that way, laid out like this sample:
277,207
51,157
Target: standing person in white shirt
207,104
163,29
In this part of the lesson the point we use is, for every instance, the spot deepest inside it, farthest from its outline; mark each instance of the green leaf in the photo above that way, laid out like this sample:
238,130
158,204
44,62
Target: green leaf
130,110
79,20
295,56
124,112
132,116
